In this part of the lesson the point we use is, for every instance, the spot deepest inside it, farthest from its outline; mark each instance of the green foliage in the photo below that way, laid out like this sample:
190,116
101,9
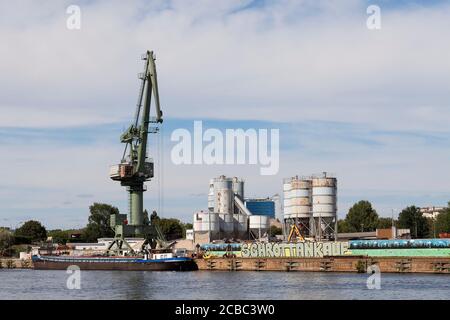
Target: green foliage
6,240
21,240
361,217
411,218
384,223
154,217
186,226
98,225
443,221
32,230
361,266
274,230
171,228
342,226
59,236
10,264
146,218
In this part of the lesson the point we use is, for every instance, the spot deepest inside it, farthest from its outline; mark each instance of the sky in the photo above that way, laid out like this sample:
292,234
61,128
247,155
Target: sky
370,106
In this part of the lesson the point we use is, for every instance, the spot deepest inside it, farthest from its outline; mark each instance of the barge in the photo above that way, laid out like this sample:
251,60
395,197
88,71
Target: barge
49,262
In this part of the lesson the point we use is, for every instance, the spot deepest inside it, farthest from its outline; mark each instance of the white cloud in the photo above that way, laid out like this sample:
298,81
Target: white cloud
292,60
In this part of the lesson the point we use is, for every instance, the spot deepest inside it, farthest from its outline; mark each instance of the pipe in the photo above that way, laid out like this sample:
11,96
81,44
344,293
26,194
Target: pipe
238,202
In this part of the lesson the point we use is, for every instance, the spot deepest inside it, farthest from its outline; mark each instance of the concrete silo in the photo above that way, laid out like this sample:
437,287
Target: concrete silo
238,187
223,195
206,226
226,202
211,196
259,225
324,206
297,201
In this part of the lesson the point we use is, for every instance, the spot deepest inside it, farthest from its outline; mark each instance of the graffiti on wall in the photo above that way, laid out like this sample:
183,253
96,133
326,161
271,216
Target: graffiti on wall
298,250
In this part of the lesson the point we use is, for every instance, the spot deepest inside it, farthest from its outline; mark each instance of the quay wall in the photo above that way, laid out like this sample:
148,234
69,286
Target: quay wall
13,263
329,264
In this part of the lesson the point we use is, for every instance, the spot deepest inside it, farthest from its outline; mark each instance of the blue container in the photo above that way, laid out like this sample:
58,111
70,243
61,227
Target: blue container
399,244
261,207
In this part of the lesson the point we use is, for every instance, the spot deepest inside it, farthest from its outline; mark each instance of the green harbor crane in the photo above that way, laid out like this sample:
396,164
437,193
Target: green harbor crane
135,167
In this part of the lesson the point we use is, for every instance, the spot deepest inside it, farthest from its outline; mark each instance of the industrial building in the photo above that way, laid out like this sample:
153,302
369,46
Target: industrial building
310,206
227,216
385,234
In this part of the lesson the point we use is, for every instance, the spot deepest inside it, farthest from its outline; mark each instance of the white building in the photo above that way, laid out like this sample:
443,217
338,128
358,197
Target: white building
190,234
431,212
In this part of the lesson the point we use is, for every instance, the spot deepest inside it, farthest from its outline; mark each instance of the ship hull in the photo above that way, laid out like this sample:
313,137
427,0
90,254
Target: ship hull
181,264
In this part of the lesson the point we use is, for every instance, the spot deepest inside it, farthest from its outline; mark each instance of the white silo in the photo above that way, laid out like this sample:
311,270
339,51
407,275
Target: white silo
226,225
259,225
324,206
241,225
238,187
207,223
223,195
211,196
298,204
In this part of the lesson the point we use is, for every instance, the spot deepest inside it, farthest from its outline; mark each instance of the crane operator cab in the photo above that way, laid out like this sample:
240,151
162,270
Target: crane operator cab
126,170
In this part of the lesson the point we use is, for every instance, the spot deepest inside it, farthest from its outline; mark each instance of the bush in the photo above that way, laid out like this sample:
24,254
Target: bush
361,266
22,240
10,264
6,240
274,231
31,231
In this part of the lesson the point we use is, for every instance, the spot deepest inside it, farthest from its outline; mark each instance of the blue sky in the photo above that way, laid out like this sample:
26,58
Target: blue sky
370,106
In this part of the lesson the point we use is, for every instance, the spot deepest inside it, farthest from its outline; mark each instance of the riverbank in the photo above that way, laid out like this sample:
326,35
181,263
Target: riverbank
353,264
329,264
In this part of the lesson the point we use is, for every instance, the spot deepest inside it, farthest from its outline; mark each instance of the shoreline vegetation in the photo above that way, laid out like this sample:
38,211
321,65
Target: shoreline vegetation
361,217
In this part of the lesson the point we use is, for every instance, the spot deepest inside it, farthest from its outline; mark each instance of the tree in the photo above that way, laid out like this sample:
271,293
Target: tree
361,217
443,221
187,226
59,236
154,216
171,228
411,218
384,223
98,225
31,231
146,220
6,240
274,230
342,226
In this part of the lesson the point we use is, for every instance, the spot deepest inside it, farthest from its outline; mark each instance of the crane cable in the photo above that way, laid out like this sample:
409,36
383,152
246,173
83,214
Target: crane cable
162,169
158,146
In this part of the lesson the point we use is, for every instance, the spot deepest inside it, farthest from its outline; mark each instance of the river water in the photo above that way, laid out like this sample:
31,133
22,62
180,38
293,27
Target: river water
43,284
